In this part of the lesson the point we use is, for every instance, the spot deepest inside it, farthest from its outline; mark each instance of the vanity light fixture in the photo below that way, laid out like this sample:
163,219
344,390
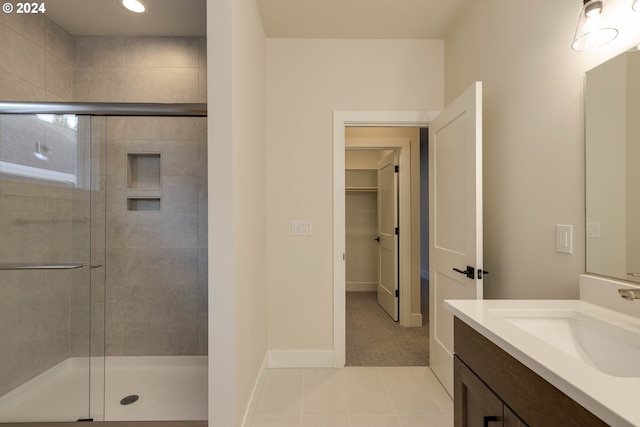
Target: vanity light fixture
591,32
137,6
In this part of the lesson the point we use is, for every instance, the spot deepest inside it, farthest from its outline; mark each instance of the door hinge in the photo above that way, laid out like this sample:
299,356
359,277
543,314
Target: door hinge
397,230
397,293
397,169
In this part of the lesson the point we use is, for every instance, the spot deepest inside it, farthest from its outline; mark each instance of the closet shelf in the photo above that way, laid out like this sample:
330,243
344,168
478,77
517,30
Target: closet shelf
361,190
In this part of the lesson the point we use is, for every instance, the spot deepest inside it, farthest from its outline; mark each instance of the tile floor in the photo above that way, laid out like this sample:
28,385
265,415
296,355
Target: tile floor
352,397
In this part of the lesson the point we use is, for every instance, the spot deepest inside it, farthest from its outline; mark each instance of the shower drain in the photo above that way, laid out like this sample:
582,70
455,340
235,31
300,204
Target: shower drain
128,400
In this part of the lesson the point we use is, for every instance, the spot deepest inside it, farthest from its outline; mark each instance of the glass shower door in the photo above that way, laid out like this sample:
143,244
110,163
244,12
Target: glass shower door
48,192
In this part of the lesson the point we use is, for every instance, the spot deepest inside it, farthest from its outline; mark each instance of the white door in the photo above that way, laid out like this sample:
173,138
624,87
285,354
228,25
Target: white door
388,234
455,229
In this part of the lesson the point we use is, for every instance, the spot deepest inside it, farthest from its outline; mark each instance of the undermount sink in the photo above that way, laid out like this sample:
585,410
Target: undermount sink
609,348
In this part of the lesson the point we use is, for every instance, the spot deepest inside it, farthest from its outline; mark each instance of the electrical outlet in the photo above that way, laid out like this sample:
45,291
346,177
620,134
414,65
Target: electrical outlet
564,238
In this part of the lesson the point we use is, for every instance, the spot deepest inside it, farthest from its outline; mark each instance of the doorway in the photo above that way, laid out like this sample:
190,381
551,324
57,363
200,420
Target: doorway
355,119
457,133
376,335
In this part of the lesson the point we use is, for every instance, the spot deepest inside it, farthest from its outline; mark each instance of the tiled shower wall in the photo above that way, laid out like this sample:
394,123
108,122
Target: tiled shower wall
156,259
39,61
36,59
139,69
36,64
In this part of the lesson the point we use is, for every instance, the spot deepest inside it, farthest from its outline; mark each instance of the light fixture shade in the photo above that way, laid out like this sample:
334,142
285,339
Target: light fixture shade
591,31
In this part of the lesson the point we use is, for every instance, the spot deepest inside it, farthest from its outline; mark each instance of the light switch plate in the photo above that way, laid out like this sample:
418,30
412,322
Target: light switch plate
593,229
564,238
301,228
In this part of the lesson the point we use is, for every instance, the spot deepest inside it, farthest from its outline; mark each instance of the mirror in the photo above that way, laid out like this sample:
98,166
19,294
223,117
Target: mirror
612,129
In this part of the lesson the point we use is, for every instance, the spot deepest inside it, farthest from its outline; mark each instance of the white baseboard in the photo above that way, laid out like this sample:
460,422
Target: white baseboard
300,359
415,320
361,286
255,393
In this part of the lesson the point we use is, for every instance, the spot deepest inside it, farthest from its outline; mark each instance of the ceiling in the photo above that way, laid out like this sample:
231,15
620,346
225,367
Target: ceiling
108,18
389,19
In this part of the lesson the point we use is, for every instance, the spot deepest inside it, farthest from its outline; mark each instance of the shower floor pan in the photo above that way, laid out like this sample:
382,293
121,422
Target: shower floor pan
167,387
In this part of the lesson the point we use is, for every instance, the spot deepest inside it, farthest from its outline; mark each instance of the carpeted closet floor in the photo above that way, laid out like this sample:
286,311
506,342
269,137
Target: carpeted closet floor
373,339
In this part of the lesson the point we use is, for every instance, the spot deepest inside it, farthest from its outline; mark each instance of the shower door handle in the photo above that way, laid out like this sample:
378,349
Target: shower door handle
51,266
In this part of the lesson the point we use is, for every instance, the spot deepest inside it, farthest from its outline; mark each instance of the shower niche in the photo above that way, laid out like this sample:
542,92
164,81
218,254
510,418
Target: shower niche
143,181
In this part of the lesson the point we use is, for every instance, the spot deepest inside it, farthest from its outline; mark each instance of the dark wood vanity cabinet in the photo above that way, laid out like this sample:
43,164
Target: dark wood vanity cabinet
492,389
476,405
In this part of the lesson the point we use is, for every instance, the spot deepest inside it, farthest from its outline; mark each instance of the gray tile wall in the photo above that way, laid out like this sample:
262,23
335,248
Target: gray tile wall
36,59
140,69
156,260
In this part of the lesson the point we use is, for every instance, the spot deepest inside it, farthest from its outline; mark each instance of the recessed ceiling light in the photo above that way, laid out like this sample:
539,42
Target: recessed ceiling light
136,6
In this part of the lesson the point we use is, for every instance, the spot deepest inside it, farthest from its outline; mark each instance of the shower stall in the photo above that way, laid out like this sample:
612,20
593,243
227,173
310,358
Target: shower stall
103,262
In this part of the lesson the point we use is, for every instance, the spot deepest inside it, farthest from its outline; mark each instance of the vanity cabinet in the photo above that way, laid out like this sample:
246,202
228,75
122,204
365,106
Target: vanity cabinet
491,389
476,405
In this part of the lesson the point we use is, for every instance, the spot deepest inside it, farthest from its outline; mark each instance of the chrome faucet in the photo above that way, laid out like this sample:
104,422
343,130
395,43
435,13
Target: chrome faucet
629,293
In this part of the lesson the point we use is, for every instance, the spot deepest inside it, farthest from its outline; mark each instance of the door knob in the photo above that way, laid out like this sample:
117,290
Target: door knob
469,272
377,239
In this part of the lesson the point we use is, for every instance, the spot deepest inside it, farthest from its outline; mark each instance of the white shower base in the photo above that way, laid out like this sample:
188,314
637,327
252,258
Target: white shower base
169,388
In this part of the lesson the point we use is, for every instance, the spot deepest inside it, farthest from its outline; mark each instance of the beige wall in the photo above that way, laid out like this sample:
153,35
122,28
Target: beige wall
533,135
237,206
306,81
361,219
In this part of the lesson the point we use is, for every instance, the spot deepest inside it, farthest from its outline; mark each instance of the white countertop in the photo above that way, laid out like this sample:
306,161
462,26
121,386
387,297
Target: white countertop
613,399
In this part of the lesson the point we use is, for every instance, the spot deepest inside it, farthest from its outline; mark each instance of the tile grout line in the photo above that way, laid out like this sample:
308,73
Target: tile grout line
304,372
429,385
344,386
384,384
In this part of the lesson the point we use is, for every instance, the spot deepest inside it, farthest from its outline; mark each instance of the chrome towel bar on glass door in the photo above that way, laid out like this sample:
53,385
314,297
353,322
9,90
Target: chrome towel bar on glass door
51,266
